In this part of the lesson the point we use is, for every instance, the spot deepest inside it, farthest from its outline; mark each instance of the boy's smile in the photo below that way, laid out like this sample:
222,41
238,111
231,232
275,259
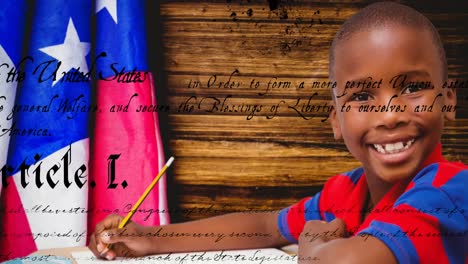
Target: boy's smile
391,143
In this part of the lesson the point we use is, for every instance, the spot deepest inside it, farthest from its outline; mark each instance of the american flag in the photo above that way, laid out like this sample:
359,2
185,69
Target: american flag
11,44
125,131
60,184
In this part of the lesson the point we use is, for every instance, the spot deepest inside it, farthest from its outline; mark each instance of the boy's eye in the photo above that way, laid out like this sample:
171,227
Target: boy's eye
411,88
359,97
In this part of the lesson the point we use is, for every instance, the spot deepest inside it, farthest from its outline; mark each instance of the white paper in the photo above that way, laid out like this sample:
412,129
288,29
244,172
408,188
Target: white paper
251,256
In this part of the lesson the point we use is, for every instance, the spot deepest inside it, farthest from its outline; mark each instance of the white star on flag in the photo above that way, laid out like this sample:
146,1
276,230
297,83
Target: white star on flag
72,53
110,5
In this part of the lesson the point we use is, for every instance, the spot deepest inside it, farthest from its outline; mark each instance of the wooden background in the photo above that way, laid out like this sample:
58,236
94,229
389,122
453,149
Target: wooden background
228,163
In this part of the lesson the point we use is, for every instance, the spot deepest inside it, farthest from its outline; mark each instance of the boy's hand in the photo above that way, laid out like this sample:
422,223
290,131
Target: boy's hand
109,242
318,232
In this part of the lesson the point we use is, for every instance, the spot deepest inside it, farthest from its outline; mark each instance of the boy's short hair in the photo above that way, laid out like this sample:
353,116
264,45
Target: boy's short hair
382,14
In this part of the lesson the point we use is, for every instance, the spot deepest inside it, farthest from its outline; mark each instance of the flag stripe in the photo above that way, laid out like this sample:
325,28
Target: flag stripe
161,187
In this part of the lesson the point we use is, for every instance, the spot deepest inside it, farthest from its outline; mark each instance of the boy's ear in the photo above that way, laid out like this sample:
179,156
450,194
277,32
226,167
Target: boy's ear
335,122
450,99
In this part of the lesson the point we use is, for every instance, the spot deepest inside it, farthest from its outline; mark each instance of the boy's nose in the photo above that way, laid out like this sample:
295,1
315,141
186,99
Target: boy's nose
395,114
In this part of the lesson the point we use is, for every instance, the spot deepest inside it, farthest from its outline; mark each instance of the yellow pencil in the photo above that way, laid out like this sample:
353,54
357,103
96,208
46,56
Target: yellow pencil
140,201
147,191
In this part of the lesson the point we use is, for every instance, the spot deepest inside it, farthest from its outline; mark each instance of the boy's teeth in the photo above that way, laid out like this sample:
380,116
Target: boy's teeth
393,147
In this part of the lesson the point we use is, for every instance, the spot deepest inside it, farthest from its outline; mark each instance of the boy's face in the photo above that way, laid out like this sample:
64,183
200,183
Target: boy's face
391,145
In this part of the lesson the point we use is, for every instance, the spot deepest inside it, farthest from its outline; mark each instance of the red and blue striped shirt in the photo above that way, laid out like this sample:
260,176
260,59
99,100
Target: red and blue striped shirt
425,221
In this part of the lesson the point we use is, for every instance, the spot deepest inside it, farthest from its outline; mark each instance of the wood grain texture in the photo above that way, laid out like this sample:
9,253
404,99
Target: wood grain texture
227,162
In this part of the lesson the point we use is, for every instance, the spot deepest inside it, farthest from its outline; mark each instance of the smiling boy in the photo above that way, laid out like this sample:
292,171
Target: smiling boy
395,208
